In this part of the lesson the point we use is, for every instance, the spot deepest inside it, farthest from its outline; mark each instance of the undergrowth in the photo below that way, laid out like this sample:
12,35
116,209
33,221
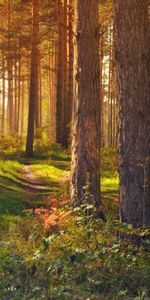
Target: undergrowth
52,252
74,257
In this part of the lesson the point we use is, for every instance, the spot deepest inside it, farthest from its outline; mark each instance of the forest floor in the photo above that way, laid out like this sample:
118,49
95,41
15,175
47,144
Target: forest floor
31,183
49,251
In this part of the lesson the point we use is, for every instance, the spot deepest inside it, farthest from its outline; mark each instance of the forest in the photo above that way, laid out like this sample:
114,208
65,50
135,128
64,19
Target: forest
74,149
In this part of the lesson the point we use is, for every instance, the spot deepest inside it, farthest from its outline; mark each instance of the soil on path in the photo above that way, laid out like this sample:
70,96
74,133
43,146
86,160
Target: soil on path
34,187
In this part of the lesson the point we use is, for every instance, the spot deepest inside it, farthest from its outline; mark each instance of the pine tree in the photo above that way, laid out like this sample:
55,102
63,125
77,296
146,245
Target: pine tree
132,57
33,95
86,119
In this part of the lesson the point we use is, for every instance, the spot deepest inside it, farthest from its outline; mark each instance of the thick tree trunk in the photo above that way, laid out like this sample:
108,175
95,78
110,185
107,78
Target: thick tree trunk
132,56
86,119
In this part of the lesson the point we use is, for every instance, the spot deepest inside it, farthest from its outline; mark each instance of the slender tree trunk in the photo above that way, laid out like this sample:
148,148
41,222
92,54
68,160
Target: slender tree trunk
38,99
132,57
101,87
70,71
10,76
15,96
19,95
86,120
33,93
40,96
3,93
59,98
22,107
65,80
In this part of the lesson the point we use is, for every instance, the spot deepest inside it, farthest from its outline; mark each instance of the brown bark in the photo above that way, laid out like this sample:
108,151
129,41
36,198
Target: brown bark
38,100
19,94
22,106
65,79
15,96
40,95
61,100
86,119
3,94
101,87
10,76
68,109
51,84
132,57
59,97
33,92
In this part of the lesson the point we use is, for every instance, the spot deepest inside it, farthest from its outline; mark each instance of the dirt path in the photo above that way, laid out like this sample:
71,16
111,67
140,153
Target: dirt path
33,182
34,187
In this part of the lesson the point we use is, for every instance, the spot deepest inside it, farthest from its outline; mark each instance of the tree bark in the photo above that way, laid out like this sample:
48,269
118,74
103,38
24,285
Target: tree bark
60,94
3,94
65,80
10,77
132,57
86,116
70,71
34,92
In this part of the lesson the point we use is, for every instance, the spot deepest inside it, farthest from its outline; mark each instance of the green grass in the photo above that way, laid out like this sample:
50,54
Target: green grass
11,193
55,172
13,197
110,182
50,173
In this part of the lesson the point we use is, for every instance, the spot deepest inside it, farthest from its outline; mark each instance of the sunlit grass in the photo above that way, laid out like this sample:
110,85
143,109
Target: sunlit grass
110,184
50,173
12,200
55,172
109,172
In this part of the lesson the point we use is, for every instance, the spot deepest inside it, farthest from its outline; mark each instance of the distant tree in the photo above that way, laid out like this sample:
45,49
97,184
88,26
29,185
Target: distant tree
61,73
132,59
33,93
86,116
68,110
10,74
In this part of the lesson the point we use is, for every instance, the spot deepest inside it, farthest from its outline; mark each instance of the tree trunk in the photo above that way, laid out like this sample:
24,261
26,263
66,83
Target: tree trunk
65,80
22,106
19,92
33,93
15,96
70,70
132,57
10,75
3,93
101,87
59,98
85,179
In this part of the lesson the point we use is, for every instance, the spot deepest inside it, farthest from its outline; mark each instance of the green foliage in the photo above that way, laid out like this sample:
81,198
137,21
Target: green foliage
83,259
11,146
